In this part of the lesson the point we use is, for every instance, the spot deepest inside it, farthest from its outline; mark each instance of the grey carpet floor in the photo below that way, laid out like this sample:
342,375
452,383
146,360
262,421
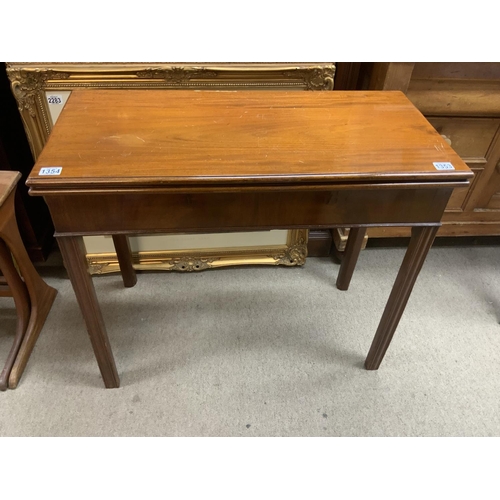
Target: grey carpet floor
270,352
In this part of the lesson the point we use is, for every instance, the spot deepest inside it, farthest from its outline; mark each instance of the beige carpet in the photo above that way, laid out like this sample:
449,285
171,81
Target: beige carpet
270,352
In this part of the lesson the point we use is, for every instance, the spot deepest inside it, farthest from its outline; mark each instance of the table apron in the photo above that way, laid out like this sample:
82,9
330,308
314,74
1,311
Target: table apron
173,212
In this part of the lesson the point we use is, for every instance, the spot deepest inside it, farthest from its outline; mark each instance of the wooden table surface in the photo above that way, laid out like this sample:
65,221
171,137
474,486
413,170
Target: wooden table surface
152,137
145,161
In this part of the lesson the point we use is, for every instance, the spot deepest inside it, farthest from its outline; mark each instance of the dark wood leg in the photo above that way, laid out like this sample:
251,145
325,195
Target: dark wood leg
420,243
19,292
122,247
41,295
350,257
73,252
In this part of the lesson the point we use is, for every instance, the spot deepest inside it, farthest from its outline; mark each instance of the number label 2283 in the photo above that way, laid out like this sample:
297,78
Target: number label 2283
54,99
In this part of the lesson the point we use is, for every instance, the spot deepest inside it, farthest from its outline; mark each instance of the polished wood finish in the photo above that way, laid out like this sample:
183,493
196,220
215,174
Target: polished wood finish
350,256
321,242
462,101
259,208
8,182
73,253
195,139
122,248
41,296
30,81
143,162
420,243
16,289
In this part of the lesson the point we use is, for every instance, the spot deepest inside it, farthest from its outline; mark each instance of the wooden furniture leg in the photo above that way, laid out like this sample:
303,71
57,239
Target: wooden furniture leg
350,256
122,247
73,252
420,243
16,289
41,295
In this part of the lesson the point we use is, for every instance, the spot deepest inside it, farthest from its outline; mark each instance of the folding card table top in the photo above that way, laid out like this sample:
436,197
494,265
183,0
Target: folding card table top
145,161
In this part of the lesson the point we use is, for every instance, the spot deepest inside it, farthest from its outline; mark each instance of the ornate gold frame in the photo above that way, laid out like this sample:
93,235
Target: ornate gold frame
293,253
30,81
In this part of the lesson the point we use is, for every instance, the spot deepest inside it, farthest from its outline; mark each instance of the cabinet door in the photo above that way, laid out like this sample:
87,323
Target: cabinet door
473,139
486,193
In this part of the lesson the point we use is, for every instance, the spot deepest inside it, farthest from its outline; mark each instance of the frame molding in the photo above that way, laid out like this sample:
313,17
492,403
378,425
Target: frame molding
293,253
30,81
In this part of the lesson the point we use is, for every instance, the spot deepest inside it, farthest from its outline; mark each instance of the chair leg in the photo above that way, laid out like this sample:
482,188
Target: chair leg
21,298
41,295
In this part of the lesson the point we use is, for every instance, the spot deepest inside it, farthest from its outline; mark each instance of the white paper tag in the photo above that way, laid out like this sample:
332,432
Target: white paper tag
54,99
50,171
443,165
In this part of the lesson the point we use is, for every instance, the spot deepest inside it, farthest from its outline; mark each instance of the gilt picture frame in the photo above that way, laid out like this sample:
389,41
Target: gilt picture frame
41,90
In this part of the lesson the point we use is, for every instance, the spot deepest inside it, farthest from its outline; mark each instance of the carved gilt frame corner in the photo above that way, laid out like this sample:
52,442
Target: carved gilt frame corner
31,81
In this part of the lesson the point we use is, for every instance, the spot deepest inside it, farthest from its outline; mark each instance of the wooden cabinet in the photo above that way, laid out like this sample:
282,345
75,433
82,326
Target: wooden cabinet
462,102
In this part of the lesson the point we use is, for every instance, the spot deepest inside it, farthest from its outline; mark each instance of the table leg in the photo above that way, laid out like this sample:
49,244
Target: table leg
73,252
122,248
350,256
19,292
41,295
420,243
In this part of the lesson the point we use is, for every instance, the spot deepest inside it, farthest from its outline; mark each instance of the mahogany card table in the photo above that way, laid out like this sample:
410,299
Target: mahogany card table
128,162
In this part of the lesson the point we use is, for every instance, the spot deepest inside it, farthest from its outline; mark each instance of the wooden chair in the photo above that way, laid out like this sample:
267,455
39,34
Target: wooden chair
33,298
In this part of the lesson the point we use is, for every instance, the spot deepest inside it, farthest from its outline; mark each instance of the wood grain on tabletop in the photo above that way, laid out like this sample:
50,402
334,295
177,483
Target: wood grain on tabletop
158,136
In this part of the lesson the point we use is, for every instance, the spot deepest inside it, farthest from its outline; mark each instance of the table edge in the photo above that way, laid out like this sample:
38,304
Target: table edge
290,181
